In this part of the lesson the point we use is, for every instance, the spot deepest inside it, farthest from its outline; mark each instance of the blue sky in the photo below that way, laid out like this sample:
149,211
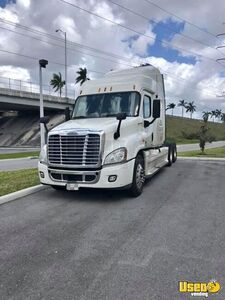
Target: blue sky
4,2
162,33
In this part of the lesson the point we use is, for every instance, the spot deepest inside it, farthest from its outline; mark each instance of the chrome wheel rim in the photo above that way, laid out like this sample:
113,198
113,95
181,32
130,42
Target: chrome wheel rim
140,176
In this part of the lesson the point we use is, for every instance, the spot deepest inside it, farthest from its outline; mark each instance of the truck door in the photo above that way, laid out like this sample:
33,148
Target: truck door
147,115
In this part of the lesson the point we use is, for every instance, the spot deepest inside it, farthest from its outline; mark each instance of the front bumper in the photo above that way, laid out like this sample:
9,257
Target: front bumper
124,173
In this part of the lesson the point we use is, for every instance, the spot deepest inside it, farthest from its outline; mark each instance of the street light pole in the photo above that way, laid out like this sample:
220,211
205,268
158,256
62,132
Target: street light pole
65,65
42,64
65,39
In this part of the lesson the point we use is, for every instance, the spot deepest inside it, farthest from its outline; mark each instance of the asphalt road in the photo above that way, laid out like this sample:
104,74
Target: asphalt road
190,147
17,164
98,245
18,149
26,163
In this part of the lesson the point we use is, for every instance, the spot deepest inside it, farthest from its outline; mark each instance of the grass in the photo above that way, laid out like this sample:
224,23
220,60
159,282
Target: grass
18,155
183,130
12,181
215,152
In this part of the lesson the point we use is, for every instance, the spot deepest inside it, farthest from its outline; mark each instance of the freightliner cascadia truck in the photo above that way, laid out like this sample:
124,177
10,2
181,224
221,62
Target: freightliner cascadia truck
115,138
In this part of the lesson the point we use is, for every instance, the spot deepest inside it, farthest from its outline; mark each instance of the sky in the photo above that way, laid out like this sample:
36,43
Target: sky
176,36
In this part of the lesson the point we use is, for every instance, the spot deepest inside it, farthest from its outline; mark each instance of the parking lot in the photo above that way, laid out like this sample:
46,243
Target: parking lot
96,244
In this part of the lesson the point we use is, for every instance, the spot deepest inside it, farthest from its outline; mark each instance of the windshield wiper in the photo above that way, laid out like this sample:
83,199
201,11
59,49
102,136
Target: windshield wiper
80,117
110,115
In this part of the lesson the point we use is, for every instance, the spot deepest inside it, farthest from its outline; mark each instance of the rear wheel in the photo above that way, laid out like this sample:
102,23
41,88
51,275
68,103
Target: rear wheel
138,177
174,155
170,155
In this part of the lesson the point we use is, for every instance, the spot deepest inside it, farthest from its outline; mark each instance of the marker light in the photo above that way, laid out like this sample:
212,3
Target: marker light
42,174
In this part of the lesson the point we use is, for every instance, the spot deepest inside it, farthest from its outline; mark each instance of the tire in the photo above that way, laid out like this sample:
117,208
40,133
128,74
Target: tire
138,177
58,187
174,155
170,155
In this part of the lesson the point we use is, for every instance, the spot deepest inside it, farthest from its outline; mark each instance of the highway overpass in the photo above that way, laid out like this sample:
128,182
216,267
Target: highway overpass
18,100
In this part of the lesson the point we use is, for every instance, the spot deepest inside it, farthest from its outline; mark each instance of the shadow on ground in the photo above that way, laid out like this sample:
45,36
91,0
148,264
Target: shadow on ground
100,195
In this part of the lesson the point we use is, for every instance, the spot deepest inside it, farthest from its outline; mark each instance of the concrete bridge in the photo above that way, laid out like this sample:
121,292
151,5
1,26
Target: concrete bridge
11,99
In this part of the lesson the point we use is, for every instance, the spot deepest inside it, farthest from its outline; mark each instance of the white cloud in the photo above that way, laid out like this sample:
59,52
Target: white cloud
140,44
103,9
67,25
24,3
14,73
9,15
200,82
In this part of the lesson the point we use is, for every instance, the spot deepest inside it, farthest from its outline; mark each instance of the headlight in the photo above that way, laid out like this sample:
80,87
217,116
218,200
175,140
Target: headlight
117,156
43,155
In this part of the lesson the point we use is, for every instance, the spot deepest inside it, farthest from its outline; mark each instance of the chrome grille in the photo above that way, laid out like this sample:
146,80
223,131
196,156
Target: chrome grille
76,150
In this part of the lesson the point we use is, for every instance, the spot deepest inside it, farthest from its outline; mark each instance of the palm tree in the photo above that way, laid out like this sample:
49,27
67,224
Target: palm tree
213,114
82,76
190,107
218,113
57,83
205,115
182,104
171,106
222,118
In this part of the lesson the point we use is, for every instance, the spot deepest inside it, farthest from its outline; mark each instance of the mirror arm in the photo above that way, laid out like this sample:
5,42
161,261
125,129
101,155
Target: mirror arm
46,128
117,133
67,114
152,121
149,123
45,120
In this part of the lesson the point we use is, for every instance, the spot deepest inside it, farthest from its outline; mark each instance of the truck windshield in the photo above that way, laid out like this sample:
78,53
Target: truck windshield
107,105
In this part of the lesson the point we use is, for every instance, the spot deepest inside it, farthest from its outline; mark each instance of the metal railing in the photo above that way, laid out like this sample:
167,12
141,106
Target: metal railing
32,87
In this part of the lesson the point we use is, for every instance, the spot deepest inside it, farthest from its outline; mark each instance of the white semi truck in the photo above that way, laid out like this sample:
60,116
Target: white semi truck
115,138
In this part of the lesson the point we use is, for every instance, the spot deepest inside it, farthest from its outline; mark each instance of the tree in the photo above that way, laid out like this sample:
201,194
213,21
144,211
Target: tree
203,136
205,116
204,132
82,76
213,114
222,118
218,113
57,83
190,107
182,104
171,106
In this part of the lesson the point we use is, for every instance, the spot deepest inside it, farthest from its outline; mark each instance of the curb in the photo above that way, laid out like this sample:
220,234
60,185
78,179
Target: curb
20,158
22,193
201,158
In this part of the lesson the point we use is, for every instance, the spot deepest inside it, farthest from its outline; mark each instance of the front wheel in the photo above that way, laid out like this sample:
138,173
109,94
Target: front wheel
138,177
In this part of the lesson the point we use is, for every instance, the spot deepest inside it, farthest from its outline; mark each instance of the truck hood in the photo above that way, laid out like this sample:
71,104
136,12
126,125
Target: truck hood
108,125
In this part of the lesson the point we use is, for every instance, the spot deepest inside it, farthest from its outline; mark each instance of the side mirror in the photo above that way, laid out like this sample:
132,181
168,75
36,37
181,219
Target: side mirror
146,123
121,116
44,120
156,109
67,114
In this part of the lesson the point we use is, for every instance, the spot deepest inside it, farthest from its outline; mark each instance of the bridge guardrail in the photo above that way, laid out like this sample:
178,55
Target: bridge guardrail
31,87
